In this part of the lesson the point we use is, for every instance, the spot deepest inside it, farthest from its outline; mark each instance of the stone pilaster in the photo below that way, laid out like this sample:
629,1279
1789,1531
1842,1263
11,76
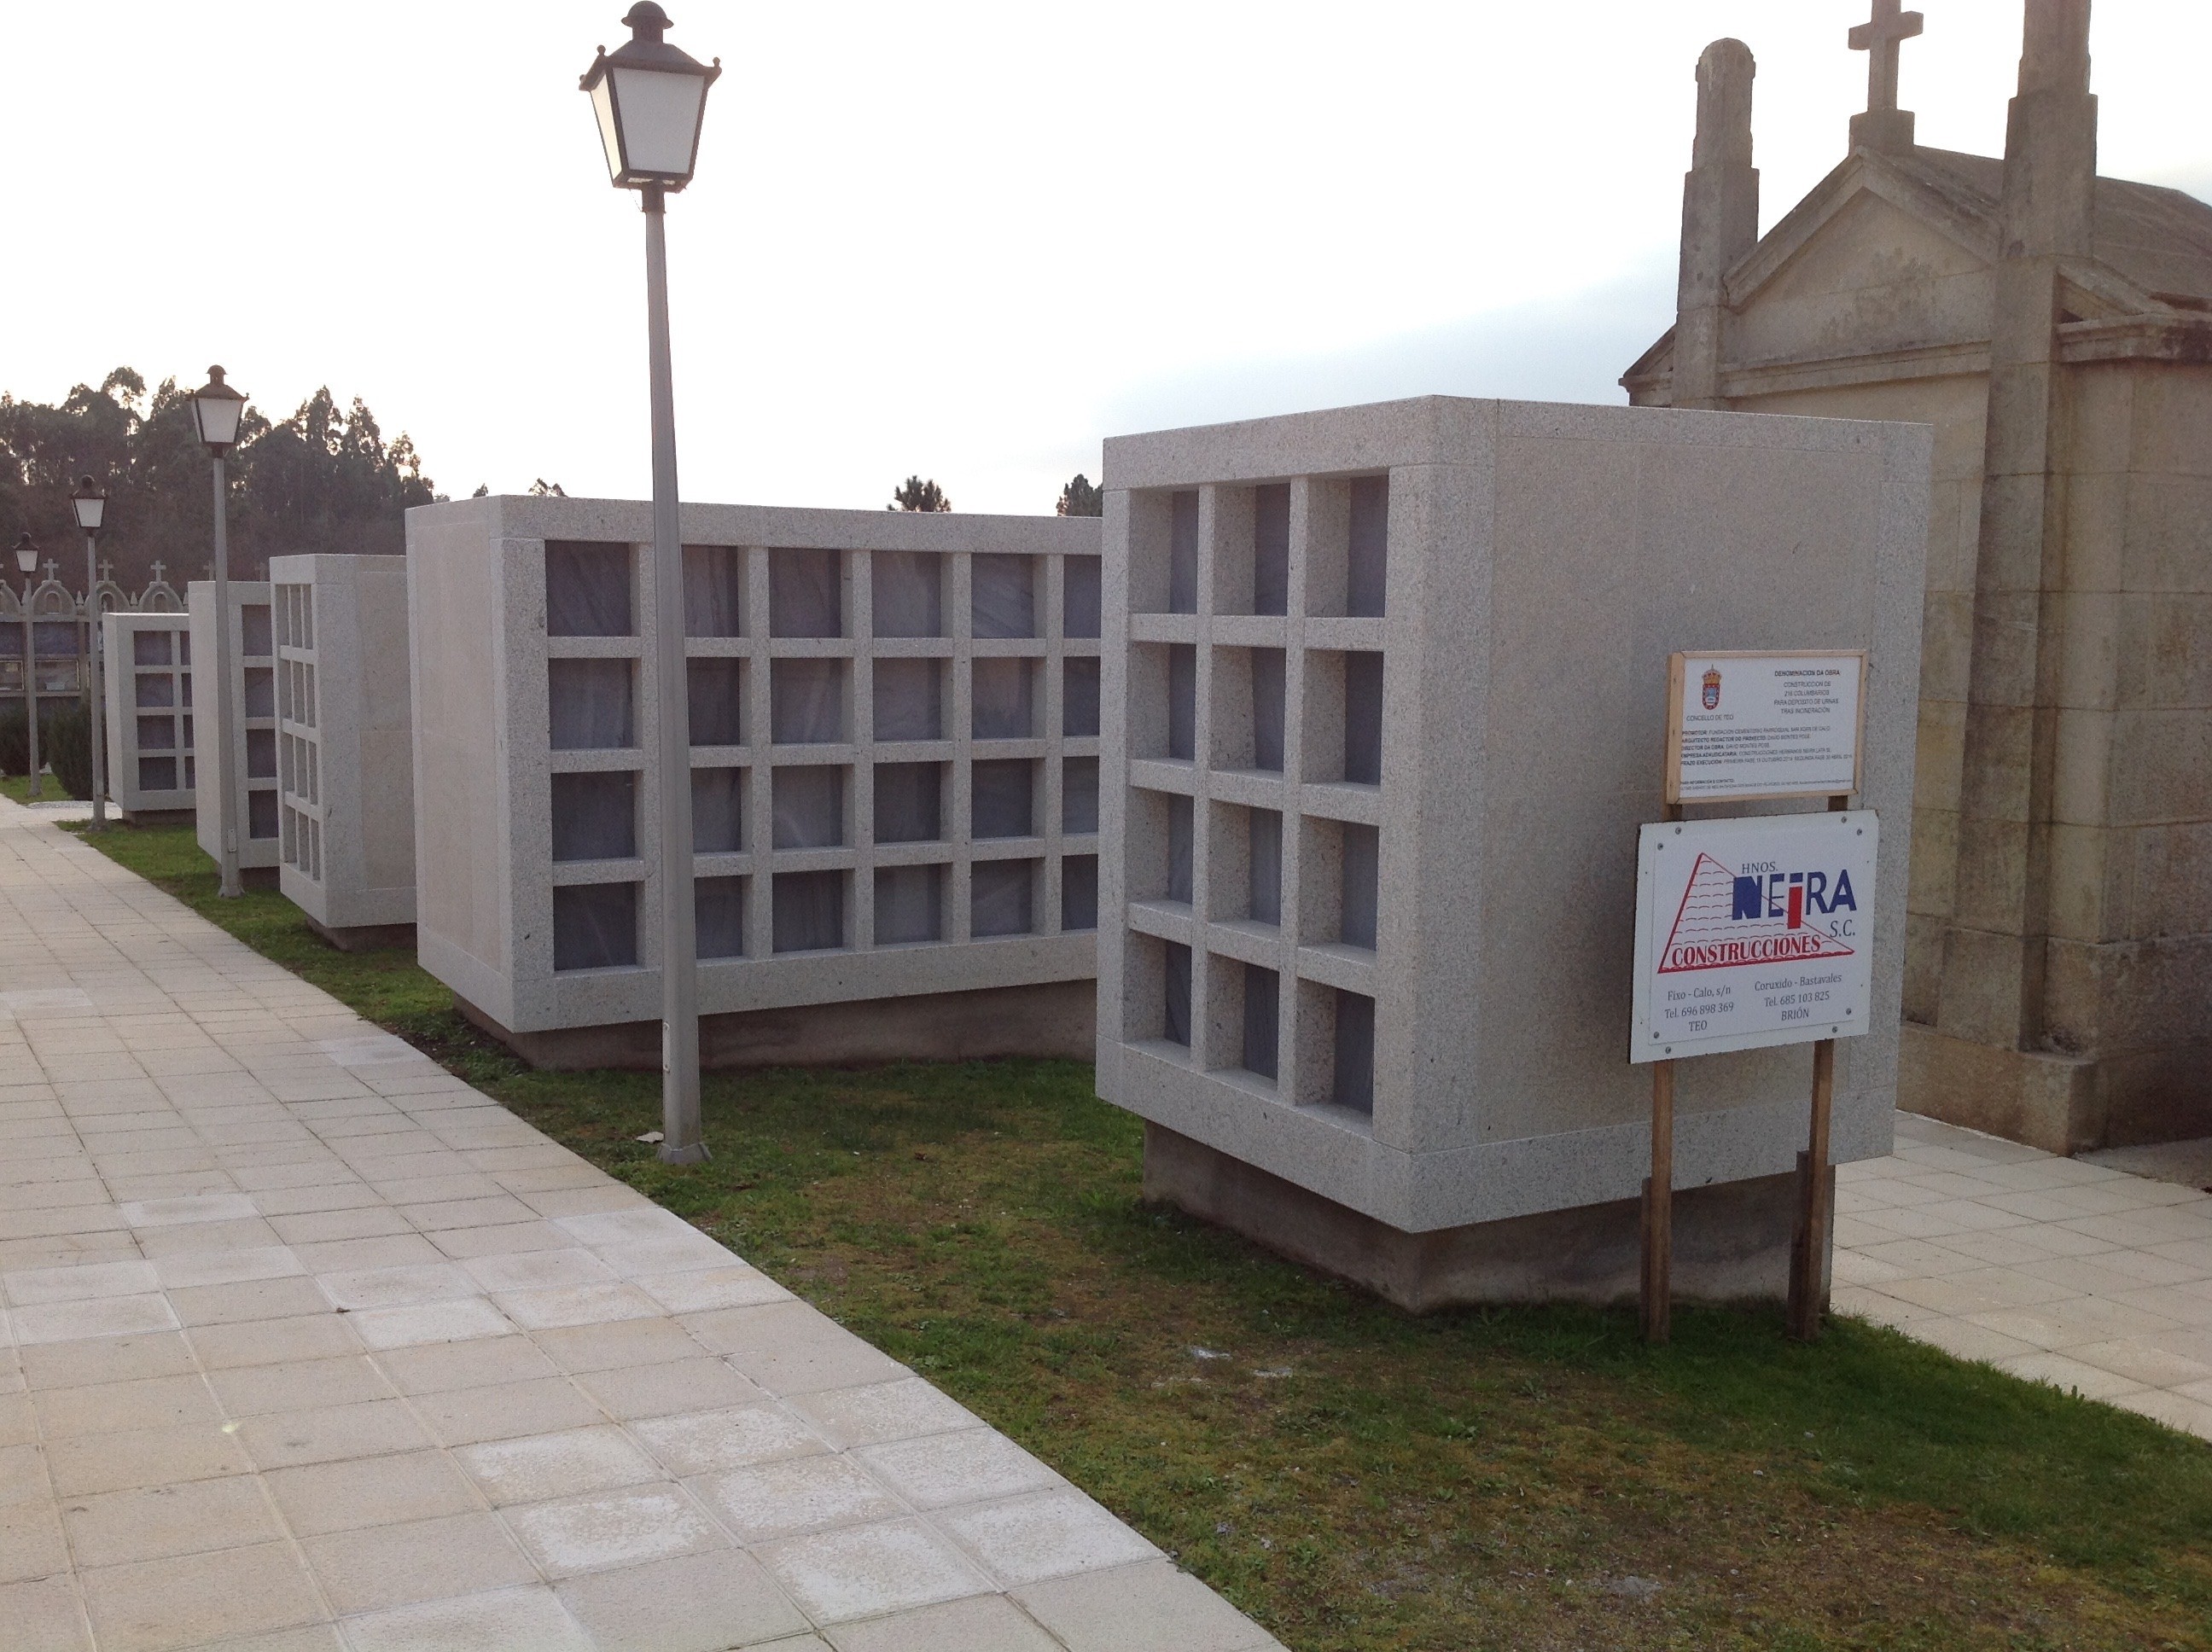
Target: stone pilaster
1720,218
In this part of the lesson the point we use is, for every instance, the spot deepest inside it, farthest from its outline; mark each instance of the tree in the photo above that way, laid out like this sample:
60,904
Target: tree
323,480
542,488
915,494
1081,498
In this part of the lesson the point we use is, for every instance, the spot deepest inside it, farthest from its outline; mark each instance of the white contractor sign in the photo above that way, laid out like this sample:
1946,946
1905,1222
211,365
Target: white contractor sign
1753,932
1744,725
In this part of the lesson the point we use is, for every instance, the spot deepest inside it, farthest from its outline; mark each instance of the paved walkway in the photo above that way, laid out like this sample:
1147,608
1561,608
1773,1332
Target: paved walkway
308,1347
2064,1270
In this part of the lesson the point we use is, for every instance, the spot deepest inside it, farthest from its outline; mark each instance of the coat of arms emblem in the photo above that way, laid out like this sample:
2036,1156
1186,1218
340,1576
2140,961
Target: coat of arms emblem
1712,690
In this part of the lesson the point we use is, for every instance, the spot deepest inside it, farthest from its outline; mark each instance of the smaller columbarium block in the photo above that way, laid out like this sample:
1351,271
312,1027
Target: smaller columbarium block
345,767
1385,694
894,722
252,690
149,695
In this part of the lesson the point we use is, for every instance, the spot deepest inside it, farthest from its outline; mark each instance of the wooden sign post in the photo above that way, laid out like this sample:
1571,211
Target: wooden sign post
1755,932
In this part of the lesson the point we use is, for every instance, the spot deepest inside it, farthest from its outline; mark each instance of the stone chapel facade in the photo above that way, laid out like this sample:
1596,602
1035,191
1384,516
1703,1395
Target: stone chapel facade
2055,327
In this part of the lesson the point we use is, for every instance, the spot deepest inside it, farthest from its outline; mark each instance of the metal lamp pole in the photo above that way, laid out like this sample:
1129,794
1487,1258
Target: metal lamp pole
217,409
91,506
27,560
650,97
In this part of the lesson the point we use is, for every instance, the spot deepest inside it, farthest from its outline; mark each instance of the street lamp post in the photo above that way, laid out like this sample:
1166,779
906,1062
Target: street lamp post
91,505
216,411
650,97
26,561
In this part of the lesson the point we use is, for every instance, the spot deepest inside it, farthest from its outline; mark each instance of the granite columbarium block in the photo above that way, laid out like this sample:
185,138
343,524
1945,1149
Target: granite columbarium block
251,722
1385,689
894,720
147,661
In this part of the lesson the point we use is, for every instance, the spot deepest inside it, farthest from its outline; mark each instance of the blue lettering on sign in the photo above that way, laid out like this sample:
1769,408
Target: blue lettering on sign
1750,899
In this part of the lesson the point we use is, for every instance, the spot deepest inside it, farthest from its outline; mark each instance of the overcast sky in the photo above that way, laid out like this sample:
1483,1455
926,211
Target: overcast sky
968,239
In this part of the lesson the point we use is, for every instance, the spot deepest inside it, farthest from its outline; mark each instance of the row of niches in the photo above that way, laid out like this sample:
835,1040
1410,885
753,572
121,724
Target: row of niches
595,925
1248,562
1340,709
1231,1016
594,816
593,704
1338,882
299,768
301,843
295,616
590,591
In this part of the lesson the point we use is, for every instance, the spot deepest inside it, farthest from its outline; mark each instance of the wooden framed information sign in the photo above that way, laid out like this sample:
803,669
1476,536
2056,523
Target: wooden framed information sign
1747,726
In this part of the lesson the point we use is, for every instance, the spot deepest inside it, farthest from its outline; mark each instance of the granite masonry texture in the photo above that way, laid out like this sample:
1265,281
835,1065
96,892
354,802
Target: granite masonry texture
1387,685
345,761
147,659
895,728
252,691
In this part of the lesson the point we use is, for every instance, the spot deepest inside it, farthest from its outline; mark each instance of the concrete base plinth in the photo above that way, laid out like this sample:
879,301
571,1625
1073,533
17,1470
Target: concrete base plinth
1053,1019
2060,1103
362,937
1731,1240
155,816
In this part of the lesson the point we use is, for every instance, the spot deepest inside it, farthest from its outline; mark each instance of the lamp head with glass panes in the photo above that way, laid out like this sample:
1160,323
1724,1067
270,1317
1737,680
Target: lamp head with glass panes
650,97
27,556
218,410
90,503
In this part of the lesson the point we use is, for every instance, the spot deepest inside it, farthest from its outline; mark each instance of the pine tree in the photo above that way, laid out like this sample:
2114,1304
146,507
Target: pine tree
915,494
1081,497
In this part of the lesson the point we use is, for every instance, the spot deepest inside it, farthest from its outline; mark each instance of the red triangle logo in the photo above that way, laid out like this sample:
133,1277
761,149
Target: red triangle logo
1709,935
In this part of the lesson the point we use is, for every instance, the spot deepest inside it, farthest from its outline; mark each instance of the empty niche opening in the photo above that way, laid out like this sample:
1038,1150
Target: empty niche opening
1352,1074
1078,796
188,780
1079,696
1266,670
1079,892
1363,717
807,911
909,700
1271,549
156,689
1182,553
909,905
715,700
1367,547
1359,885
594,926
149,648
261,754
806,702
1175,992
587,589
906,593
1003,596
714,581
256,634
1080,594
1000,802
909,804
594,817
157,733
1004,706
1182,844
588,704
1182,701
808,805
1262,999
805,593
157,773
718,915
718,810
1001,897
260,691
1264,866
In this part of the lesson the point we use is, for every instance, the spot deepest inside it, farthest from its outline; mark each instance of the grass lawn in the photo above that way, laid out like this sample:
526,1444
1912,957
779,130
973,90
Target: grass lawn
1353,1476
17,788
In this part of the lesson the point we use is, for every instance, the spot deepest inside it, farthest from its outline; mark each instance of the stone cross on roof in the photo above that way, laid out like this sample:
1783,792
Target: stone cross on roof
51,566
107,571
160,567
1884,125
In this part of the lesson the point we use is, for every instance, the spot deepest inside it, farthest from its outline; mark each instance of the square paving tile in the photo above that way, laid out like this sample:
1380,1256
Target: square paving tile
340,1496
301,1385
329,1433
623,1528
153,1606
437,1322
28,1286
275,1342
866,1572
792,1348
695,1603
470,1416
105,1317
698,1290
1052,1534
253,1299
155,1522
385,1566
152,1457
106,1359
504,1620
109,1408
44,1612
941,1469
398,1287
982,1623
1152,1605
435,1367
704,1442
803,1494
624,1342
539,1270
681,1385
543,1467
